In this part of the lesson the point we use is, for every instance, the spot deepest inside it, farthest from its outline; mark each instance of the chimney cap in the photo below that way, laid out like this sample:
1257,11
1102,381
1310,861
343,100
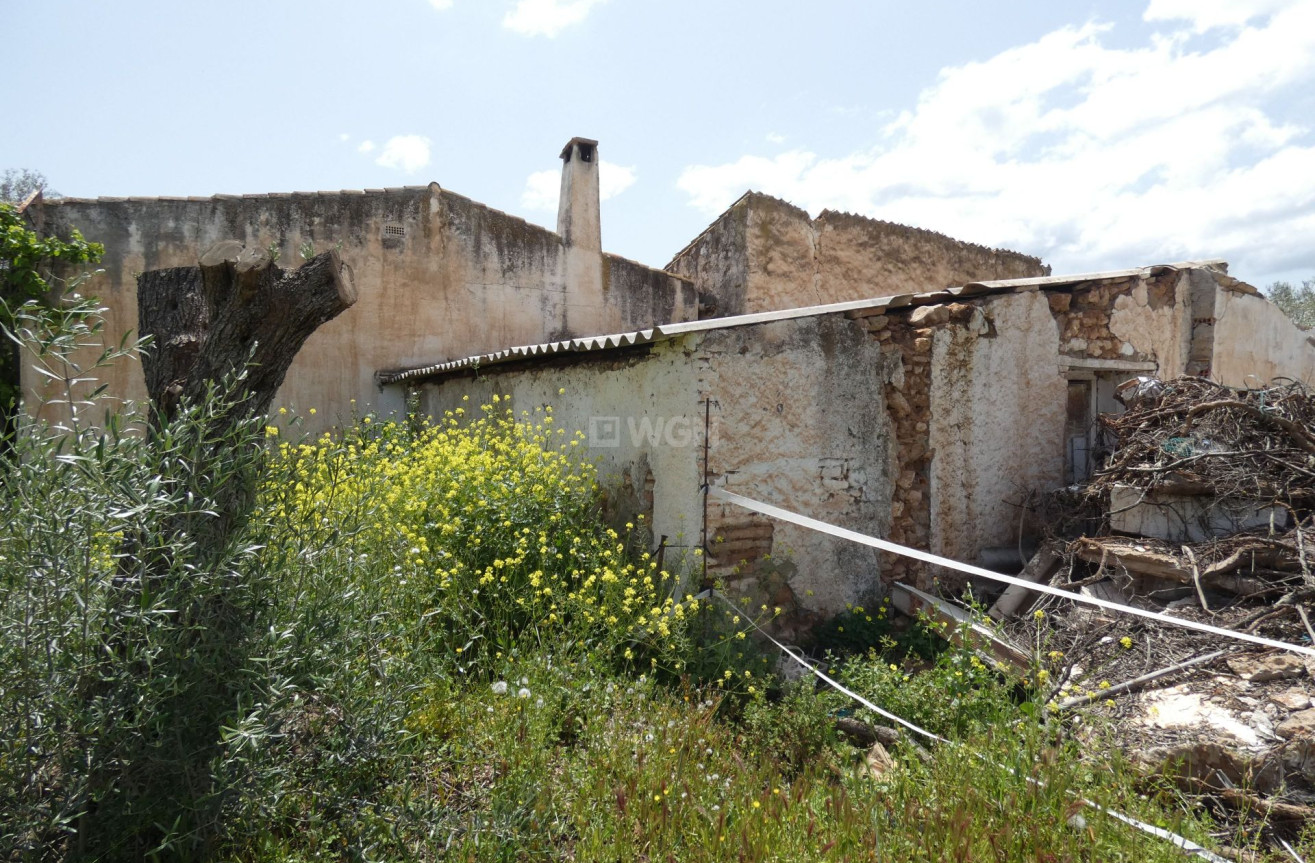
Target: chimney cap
590,143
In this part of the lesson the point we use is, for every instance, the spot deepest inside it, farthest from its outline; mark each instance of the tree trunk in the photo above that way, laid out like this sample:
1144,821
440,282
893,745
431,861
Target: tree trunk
235,309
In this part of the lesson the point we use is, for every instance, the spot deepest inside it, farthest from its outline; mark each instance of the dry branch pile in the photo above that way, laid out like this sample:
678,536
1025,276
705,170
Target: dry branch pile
1217,484
1196,436
1204,510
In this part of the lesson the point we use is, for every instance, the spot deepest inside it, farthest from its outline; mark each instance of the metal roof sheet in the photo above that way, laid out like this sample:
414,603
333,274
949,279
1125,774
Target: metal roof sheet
874,305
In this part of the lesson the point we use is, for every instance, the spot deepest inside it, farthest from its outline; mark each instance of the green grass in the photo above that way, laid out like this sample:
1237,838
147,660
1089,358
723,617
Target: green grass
445,654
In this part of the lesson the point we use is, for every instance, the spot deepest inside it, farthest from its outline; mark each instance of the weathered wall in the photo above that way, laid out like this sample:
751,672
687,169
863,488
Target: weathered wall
1254,342
765,254
801,423
717,262
997,421
921,419
1151,318
438,276
857,254
795,420
640,411
976,390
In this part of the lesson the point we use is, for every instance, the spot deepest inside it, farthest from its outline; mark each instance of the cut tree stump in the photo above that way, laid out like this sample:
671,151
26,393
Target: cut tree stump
235,308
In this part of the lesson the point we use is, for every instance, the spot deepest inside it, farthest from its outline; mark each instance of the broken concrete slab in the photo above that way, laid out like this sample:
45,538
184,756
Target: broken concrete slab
1181,708
1186,518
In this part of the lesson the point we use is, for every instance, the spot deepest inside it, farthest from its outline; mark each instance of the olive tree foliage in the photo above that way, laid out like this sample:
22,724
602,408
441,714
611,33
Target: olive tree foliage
17,183
26,263
1298,303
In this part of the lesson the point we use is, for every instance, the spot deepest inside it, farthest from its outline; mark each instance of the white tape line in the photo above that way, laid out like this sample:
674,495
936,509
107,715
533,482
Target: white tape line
1173,838
927,557
834,684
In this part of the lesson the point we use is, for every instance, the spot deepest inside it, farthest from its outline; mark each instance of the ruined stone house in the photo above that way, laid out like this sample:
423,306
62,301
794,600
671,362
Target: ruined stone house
886,379
921,417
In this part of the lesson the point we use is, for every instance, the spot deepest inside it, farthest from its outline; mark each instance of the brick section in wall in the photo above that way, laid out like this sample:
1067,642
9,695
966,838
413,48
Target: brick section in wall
739,542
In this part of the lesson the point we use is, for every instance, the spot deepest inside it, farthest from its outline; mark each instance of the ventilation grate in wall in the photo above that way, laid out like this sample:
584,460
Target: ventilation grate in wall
394,232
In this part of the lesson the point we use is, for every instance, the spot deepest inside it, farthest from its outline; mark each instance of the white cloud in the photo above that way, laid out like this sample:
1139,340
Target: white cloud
547,17
441,5
614,179
408,153
1088,155
365,146
1208,14
543,188
775,138
344,136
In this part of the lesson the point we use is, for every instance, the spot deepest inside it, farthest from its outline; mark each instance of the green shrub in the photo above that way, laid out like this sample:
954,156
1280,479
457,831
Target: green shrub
125,643
959,694
794,729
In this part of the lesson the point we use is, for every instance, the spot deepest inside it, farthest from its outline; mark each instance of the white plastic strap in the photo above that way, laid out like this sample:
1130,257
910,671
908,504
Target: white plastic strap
927,557
1173,838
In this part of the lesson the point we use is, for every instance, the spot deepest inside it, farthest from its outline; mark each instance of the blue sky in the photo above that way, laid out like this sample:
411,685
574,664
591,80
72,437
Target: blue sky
1093,134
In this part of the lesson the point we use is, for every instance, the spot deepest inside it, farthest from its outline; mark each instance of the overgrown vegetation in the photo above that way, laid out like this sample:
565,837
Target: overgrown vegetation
25,258
424,643
17,183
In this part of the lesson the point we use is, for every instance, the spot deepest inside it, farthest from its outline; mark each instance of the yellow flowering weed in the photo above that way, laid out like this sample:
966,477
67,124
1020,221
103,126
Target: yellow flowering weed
485,529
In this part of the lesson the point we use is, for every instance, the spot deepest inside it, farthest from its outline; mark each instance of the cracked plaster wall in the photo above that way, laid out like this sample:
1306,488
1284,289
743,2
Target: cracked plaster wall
1254,342
800,422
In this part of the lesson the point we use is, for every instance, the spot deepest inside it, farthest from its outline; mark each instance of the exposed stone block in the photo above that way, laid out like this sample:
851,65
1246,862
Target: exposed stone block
929,316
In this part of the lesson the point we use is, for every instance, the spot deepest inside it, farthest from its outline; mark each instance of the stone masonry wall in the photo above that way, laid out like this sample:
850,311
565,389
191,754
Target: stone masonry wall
764,254
905,376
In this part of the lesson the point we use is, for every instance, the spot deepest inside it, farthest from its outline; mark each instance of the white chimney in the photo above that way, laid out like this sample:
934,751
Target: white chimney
579,224
578,219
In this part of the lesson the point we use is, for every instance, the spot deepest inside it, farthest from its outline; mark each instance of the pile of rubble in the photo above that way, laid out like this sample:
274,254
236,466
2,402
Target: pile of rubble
1204,510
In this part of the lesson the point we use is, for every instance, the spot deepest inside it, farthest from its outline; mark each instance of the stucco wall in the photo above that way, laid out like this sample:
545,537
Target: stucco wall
789,260
800,422
1254,342
641,414
1153,320
438,277
997,422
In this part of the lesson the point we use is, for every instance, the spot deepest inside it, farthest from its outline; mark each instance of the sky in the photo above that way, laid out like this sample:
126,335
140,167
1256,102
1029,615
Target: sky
1095,135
